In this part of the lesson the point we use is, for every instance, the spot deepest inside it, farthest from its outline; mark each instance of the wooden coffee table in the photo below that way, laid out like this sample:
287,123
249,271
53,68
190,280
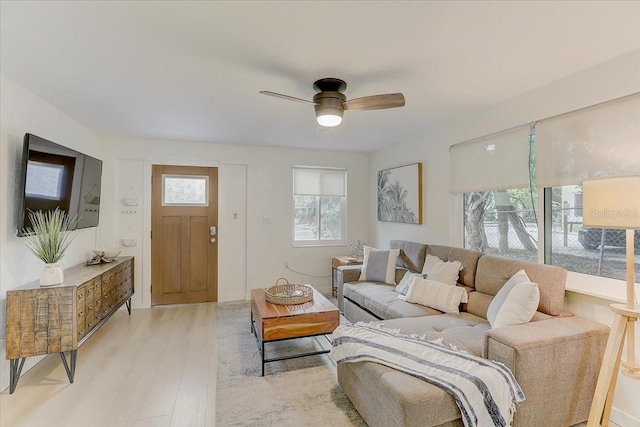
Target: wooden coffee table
275,322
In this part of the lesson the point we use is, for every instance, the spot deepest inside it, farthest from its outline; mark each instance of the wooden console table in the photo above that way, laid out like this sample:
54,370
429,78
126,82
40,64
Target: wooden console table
46,320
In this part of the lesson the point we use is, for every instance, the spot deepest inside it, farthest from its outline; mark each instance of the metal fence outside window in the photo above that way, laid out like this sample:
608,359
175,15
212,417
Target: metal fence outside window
594,251
572,246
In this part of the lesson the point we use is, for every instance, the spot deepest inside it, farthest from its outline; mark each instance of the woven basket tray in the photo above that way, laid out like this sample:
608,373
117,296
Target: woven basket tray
288,293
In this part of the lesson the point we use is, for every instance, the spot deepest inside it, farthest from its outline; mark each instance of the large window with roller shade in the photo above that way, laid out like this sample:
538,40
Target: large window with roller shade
505,177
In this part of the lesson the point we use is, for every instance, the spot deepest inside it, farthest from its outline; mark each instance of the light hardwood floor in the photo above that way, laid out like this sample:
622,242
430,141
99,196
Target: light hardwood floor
155,368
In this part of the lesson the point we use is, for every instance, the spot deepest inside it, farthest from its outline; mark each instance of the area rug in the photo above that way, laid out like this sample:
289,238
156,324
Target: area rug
295,392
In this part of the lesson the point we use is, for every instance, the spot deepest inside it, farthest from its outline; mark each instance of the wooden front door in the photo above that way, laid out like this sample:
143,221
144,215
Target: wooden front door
184,235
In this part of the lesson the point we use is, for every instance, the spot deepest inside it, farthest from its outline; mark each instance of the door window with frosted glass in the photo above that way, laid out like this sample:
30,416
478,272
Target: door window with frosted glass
185,190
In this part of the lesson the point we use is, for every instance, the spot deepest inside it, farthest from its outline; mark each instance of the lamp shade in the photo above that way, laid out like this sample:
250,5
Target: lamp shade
612,203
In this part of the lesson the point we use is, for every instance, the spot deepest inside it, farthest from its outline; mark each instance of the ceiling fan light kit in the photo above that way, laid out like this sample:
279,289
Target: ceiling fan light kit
328,106
329,103
329,118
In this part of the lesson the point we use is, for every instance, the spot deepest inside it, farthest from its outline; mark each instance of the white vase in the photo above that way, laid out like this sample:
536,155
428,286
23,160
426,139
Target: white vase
51,275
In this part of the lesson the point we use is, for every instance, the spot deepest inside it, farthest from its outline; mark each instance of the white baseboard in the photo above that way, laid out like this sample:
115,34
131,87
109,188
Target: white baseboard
623,419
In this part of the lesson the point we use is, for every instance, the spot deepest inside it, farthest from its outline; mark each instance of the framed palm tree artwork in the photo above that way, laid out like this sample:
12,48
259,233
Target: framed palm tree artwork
400,194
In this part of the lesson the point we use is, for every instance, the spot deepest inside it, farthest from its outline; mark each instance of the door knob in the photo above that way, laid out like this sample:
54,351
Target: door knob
213,240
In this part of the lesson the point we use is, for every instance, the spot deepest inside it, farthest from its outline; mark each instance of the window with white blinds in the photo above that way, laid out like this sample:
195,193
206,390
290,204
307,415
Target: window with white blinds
319,182
600,141
497,162
320,206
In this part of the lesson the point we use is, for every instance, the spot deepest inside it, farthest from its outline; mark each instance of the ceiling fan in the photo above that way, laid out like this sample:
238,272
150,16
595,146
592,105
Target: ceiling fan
330,102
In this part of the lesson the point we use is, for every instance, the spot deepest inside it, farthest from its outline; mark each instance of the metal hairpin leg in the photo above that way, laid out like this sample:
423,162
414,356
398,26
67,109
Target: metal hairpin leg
15,366
71,370
128,304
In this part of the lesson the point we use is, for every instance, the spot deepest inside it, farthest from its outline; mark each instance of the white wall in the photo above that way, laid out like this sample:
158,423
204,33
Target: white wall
20,112
442,212
254,183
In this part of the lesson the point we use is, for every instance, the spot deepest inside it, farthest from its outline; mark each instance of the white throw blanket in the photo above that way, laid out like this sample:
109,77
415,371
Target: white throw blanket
486,391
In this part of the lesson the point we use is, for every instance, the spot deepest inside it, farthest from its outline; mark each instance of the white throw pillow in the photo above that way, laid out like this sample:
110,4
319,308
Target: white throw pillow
440,296
379,265
440,271
405,282
515,303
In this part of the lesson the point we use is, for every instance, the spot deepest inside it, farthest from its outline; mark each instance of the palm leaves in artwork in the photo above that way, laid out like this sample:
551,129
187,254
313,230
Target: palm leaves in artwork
385,207
392,205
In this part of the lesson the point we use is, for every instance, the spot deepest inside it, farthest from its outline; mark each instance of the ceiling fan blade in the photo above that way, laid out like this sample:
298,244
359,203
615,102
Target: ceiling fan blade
375,102
287,97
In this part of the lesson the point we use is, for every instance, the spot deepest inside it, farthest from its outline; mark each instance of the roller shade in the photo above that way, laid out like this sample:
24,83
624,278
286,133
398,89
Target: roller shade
319,182
497,162
600,141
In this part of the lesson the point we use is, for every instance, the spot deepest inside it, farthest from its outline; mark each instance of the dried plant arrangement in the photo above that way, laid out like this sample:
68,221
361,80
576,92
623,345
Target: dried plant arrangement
50,234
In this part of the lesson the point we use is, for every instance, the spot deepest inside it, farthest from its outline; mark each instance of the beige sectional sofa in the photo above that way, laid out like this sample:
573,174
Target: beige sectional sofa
555,357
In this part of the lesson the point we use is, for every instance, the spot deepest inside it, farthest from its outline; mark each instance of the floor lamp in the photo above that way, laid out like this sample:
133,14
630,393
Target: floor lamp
615,203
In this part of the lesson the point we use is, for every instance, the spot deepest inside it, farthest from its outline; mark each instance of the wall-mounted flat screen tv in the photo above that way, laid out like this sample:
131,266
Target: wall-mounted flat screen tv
56,176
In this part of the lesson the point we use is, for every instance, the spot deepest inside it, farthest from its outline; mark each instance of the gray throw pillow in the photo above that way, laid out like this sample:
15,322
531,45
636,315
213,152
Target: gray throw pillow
379,265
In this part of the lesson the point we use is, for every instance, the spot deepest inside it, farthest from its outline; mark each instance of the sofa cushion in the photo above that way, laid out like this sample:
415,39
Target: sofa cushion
386,397
379,304
361,292
403,285
515,303
494,271
400,308
467,257
441,271
441,296
379,265
478,304
389,306
411,254
464,331
382,301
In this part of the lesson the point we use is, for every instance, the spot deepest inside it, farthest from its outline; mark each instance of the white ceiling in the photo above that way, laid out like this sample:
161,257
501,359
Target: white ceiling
192,70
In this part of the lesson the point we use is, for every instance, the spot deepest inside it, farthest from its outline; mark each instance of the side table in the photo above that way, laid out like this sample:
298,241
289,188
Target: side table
339,261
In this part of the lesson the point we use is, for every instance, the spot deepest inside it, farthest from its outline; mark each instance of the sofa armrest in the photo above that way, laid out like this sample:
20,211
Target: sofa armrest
349,273
556,362
346,274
